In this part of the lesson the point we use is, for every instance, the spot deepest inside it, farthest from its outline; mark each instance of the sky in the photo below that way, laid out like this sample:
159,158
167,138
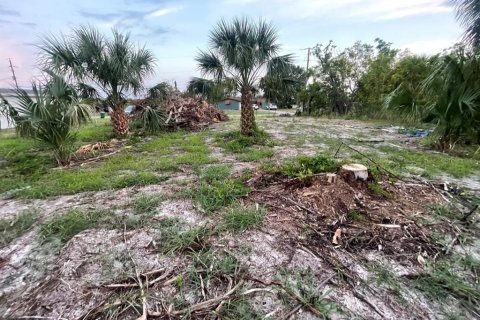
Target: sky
176,30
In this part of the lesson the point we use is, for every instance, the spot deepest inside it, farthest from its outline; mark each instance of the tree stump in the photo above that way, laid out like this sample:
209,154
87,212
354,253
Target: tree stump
354,172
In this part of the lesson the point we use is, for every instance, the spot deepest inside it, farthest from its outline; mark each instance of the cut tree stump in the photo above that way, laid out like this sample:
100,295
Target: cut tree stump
353,172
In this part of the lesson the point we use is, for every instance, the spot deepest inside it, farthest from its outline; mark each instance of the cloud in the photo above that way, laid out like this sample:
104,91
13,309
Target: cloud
390,10
429,47
8,12
371,10
100,16
163,11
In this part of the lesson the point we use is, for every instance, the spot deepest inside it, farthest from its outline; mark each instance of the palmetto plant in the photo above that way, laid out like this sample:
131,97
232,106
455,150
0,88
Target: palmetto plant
113,65
468,13
455,87
244,51
49,116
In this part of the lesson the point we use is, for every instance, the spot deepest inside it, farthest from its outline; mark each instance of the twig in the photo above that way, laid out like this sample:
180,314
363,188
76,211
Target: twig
468,214
300,206
139,279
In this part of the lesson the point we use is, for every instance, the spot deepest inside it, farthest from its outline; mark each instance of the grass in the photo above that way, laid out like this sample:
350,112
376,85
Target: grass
256,154
146,203
304,284
241,218
66,226
434,164
26,169
442,281
215,173
246,148
12,228
174,239
377,189
216,190
215,195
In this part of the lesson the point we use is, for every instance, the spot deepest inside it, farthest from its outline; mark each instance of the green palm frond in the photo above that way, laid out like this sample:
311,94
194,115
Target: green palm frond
468,13
49,115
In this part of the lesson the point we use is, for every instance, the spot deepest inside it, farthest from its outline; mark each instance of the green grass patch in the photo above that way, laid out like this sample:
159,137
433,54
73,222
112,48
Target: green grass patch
442,281
236,142
215,173
10,229
174,239
218,194
241,218
256,154
147,203
66,226
433,163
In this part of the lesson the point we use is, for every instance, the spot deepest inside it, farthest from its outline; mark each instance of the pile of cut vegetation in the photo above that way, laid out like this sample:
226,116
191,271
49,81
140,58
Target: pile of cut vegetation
350,209
192,113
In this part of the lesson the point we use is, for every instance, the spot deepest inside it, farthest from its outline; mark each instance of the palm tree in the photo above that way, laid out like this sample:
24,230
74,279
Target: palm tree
114,65
210,90
244,51
455,87
468,13
49,116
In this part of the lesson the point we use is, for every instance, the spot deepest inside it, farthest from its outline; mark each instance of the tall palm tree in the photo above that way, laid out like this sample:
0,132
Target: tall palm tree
113,65
49,116
244,51
468,13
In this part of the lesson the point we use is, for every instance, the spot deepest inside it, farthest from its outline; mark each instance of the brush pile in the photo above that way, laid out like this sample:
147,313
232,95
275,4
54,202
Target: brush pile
191,113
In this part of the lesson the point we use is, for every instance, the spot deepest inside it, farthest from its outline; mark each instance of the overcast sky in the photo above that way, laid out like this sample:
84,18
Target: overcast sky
175,30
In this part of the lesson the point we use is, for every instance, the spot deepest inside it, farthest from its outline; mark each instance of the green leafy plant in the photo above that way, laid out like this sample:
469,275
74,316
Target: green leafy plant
50,116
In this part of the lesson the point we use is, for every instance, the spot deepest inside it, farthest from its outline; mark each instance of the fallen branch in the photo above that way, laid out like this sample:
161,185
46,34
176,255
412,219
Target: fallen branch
199,306
300,206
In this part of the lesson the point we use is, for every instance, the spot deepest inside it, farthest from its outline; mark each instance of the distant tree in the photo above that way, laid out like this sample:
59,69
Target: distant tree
114,65
377,82
408,99
50,116
282,88
468,13
333,74
209,90
244,51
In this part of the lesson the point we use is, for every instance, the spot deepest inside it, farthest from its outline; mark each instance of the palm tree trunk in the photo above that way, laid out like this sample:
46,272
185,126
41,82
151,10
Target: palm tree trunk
119,121
247,117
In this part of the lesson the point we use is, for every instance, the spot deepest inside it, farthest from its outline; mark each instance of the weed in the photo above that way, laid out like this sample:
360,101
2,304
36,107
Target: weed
377,189
13,228
239,309
304,166
213,196
443,211
355,215
303,284
241,218
64,227
174,239
236,142
256,154
215,173
145,203
384,276
442,281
